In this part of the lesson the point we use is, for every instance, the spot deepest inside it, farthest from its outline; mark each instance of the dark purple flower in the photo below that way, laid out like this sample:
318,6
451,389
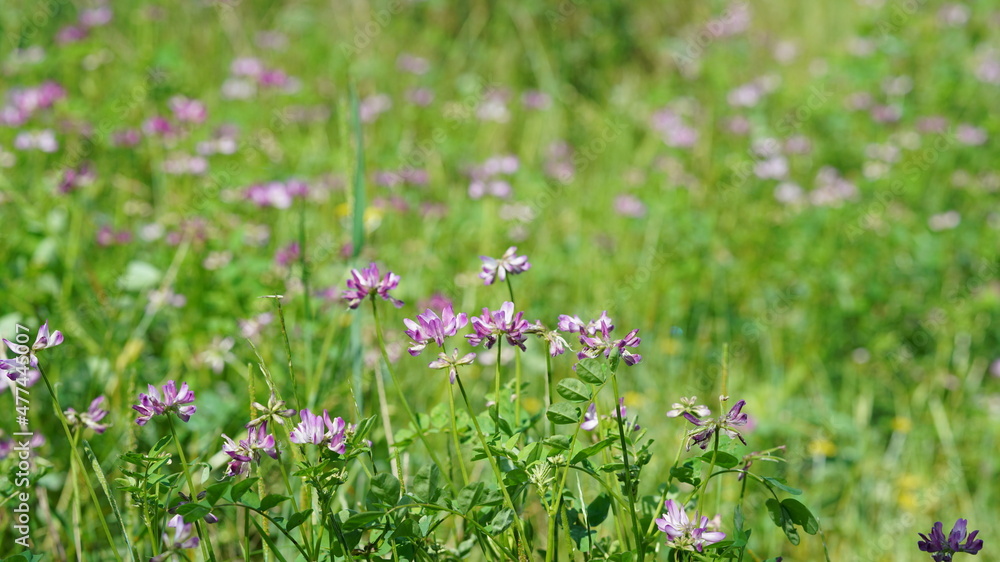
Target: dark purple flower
288,254
429,327
317,430
90,418
726,424
153,404
368,282
248,450
451,363
494,269
687,534
502,323
943,548
74,178
596,339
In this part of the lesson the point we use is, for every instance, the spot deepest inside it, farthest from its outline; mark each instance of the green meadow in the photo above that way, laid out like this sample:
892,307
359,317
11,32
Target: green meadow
794,203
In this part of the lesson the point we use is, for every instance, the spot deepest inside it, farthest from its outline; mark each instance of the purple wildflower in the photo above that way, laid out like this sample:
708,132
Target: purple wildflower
687,405
183,538
687,534
726,424
153,404
368,282
596,339
188,110
248,450
90,418
590,419
943,548
43,340
317,430
451,363
503,322
556,343
494,269
429,327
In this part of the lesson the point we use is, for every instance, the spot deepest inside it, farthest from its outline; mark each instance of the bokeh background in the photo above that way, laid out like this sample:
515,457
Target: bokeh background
812,184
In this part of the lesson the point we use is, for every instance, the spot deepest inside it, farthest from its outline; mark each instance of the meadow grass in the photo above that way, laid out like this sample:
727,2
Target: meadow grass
851,300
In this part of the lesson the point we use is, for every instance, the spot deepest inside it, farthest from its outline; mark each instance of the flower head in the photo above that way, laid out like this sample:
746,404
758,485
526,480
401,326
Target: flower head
183,538
687,405
556,344
726,424
429,327
494,269
368,282
248,450
590,420
90,418
42,340
687,534
596,339
502,323
172,400
319,430
943,548
275,410
451,363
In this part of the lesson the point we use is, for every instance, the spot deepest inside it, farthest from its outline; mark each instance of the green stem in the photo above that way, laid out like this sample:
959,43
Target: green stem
496,395
75,500
640,543
454,434
79,461
517,368
206,541
402,396
518,529
288,350
548,385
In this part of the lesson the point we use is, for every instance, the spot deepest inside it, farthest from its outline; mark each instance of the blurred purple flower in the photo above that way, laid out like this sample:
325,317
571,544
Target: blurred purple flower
590,419
43,140
91,418
188,110
171,401
183,539
367,282
287,255
75,178
494,269
629,206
